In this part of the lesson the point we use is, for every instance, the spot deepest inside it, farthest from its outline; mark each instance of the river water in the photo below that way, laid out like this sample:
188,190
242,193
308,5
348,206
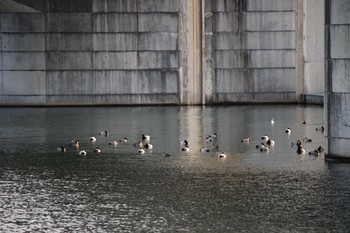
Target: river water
119,190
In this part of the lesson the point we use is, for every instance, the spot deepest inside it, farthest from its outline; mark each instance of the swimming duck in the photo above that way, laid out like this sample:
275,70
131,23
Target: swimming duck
124,140
113,143
148,146
320,129
75,143
320,149
304,122
185,148
306,139
138,144
183,143
265,138
145,138
222,155
270,142
247,139
92,139
204,150
141,151
300,149
314,152
104,133
211,138
297,143
272,120
97,150
82,152
61,149
263,148
288,130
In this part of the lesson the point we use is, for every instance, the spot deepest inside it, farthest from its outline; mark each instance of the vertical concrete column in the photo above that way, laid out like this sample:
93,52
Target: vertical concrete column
207,49
313,46
299,44
337,84
1,68
190,45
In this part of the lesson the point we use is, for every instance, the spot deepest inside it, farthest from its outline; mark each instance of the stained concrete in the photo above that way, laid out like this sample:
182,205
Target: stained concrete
166,51
337,97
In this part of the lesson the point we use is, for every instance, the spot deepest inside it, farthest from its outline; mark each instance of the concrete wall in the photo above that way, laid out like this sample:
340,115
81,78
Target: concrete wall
313,46
94,52
337,54
89,52
249,51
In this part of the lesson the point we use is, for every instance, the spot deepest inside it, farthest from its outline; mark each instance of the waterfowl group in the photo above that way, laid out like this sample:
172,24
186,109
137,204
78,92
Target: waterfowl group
210,144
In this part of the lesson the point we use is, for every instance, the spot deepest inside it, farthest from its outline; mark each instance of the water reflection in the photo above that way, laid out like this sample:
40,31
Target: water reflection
122,191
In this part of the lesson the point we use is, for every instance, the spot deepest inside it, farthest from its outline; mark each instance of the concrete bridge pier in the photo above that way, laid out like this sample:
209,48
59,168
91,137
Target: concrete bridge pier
337,84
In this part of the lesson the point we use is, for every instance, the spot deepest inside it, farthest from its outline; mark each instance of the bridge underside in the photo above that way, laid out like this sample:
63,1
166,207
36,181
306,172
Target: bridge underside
107,52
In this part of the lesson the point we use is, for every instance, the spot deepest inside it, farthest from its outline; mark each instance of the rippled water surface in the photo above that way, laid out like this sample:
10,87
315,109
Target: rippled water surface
42,190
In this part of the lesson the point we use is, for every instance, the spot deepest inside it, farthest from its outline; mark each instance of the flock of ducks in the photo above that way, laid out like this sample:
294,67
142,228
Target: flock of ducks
210,144
143,145
267,142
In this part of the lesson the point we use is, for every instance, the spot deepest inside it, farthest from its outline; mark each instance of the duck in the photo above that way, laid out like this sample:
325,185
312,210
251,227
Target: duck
314,152
148,146
185,148
82,152
300,149
288,130
211,138
141,151
145,138
138,144
222,155
297,143
61,149
263,148
304,122
265,138
272,121
183,142
104,133
320,129
204,150
113,143
320,149
247,139
214,135
75,143
124,140
97,150
92,139
306,139
270,142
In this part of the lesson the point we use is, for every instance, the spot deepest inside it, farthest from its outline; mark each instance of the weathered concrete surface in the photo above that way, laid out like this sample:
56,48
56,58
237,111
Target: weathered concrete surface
190,58
313,46
168,51
62,52
249,51
337,96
